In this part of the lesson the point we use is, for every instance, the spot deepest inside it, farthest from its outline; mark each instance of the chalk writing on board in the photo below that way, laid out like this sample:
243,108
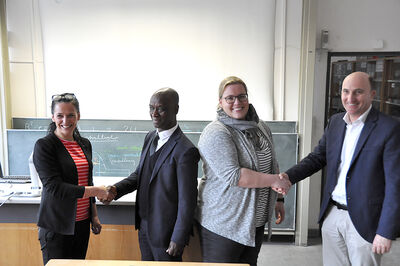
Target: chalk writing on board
30,125
102,138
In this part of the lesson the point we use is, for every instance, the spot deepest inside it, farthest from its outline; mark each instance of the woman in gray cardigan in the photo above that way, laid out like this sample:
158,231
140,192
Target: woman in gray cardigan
235,195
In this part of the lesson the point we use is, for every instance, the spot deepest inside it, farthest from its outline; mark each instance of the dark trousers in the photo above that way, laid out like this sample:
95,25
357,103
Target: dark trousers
58,246
149,252
216,248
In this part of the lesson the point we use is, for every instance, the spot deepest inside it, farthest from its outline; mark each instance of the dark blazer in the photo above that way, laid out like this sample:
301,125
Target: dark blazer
172,195
59,177
373,179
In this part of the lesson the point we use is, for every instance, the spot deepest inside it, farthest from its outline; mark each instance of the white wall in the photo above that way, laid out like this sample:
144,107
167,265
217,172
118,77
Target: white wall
93,48
354,25
114,53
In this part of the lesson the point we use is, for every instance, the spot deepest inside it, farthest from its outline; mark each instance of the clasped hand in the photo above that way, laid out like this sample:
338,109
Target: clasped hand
110,195
281,183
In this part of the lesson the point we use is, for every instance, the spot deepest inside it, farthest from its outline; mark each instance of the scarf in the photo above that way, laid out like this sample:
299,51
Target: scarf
249,125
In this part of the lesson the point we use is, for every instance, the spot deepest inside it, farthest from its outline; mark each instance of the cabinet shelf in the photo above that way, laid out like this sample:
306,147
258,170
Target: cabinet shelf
392,103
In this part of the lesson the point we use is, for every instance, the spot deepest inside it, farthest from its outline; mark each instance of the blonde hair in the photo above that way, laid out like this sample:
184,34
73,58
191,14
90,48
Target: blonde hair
229,81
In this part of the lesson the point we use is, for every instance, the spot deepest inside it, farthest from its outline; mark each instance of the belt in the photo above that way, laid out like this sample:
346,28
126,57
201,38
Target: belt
338,205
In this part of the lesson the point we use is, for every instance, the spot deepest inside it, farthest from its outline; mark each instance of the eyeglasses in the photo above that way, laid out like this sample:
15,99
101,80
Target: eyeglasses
241,97
63,96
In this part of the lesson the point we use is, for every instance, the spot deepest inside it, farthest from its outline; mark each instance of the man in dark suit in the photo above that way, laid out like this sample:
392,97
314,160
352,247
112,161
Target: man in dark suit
360,211
166,183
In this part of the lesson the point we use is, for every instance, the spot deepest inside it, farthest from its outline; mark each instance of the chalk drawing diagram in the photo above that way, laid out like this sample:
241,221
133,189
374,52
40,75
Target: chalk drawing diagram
103,166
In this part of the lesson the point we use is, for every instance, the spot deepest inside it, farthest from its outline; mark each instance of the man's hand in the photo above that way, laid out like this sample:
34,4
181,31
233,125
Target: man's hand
281,184
96,225
285,176
279,212
174,249
381,244
111,194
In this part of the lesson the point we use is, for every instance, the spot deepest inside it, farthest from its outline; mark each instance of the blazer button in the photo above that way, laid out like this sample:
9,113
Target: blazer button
347,177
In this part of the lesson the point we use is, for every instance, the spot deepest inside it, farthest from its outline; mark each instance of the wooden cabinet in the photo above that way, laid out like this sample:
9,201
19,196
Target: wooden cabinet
385,79
391,92
20,245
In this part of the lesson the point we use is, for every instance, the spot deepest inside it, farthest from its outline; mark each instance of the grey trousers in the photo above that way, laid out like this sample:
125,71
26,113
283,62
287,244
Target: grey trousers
342,244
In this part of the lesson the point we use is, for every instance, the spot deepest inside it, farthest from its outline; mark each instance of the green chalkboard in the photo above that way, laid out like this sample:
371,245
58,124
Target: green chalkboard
117,154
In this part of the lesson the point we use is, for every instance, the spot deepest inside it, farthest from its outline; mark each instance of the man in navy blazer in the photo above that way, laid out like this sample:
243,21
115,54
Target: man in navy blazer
360,211
166,183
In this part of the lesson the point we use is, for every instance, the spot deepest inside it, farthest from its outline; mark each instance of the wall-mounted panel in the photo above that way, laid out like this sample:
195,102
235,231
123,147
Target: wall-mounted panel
22,88
19,26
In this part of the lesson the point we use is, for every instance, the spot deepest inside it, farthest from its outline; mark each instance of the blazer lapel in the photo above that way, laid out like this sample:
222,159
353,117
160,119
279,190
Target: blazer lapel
369,125
167,149
145,150
338,141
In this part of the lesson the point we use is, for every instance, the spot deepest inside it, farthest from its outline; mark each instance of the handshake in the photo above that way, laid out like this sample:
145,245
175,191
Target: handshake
106,194
281,183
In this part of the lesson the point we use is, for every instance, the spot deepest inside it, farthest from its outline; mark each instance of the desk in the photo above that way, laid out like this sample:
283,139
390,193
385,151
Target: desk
132,263
19,209
6,188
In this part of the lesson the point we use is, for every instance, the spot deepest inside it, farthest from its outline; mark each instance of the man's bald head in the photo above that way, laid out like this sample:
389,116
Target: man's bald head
357,94
164,106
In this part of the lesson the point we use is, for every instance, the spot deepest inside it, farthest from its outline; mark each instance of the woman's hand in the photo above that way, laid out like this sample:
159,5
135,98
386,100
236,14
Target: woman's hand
99,191
253,179
96,225
279,212
111,194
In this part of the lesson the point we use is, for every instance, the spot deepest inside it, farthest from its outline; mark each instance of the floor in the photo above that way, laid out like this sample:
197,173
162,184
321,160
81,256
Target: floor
282,251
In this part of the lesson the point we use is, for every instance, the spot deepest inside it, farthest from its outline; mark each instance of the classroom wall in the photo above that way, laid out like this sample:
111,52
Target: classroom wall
28,19
31,87
132,48
353,26
93,48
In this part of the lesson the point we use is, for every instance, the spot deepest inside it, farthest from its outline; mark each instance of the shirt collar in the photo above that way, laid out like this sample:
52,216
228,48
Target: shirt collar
361,119
165,134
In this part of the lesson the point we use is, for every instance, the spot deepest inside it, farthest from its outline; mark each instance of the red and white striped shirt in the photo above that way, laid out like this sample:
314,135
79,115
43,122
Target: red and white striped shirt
82,165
